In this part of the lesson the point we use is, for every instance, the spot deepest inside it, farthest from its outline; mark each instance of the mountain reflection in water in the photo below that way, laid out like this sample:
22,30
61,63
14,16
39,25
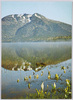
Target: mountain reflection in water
34,55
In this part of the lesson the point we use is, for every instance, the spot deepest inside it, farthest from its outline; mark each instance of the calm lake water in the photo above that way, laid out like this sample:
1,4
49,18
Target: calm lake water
22,59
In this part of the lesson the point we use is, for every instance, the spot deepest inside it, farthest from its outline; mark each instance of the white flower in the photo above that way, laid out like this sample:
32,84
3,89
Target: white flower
54,85
42,86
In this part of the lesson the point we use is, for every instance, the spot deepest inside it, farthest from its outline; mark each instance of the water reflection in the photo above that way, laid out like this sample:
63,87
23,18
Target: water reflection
28,56
13,89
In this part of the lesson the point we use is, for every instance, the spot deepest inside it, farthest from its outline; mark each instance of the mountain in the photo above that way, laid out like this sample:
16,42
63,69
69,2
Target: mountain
11,23
36,27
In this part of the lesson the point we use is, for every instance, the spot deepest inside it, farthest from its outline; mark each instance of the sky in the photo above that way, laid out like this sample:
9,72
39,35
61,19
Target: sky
60,11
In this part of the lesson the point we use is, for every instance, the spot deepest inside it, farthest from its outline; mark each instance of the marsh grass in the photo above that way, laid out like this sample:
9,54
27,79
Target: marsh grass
57,94
54,93
15,56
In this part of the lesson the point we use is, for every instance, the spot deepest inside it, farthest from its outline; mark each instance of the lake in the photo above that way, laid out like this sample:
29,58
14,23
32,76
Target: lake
34,58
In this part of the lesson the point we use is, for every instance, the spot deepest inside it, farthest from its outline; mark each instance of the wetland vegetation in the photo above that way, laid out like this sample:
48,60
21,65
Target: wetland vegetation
36,70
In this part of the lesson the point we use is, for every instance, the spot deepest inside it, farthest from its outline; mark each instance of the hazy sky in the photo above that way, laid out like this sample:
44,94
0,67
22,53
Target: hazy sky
60,11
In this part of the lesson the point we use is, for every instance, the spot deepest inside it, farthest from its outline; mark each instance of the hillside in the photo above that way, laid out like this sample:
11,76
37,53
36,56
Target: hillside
20,28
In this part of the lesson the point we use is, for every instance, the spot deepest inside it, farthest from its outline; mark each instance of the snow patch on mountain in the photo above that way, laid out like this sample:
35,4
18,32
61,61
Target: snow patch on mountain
29,20
37,16
22,18
14,18
29,15
19,15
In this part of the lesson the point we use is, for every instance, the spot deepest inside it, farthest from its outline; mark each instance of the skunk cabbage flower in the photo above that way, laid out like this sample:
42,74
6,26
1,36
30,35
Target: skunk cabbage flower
54,86
64,71
41,74
62,67
42,86
37,76
17,80
56,76
30,76
29,85
65,96
66,90
49,76
68,82
26,78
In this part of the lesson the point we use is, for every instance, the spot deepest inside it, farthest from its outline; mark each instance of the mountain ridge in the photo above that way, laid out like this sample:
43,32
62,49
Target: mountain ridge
35,27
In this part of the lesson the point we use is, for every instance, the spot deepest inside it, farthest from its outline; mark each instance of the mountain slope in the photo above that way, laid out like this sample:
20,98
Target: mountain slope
11,23
16,28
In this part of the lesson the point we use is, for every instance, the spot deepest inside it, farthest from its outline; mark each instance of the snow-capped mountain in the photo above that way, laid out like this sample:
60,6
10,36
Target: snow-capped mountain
17,18
27,27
